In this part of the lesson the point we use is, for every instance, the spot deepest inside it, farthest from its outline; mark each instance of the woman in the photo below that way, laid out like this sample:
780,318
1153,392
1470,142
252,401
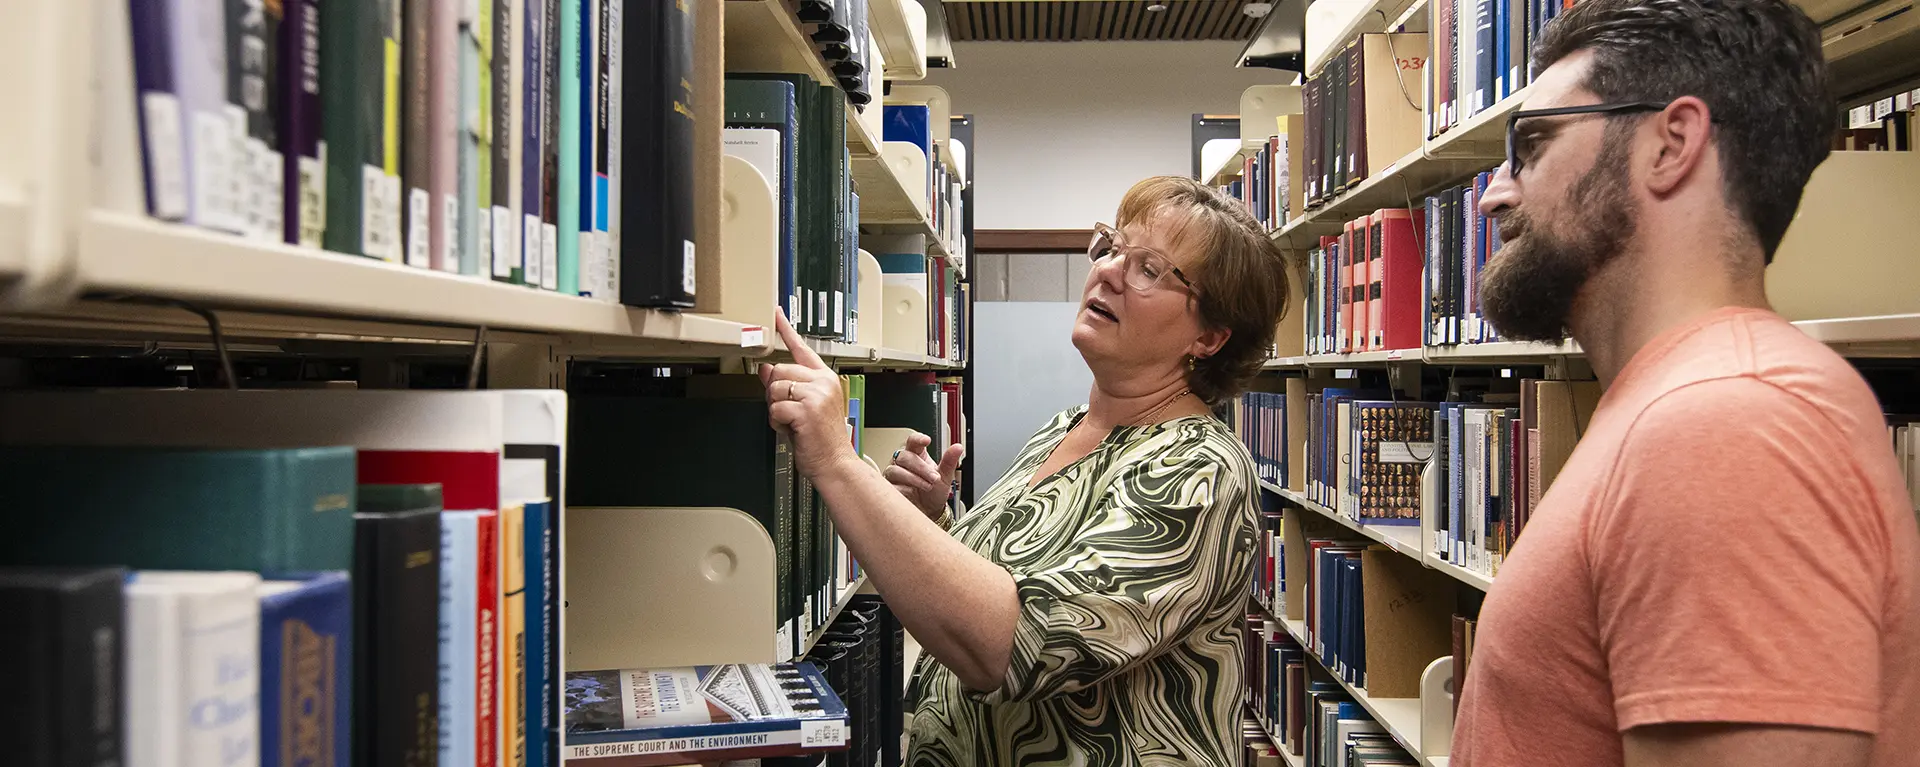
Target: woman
1086,609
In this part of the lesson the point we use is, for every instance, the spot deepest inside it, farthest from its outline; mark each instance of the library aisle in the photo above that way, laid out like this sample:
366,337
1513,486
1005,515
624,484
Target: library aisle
377,377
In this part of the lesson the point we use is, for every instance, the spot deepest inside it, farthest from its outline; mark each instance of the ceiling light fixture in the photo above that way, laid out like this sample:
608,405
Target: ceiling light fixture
1156,7
1257,10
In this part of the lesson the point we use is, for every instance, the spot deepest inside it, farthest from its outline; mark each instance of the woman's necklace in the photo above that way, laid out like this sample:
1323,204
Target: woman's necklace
1151,414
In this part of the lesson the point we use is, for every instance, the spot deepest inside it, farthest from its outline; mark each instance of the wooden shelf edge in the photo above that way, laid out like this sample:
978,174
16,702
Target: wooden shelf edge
1379,534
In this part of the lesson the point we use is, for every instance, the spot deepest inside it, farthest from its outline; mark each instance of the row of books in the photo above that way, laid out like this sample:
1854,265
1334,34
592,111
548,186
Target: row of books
1362,111
1260,418
1366,450
1257,748
794,132
485,138
912,123
1363,289
922,286
226,481
1887,124
1481,54
1496,458
726,456
1905,433
1263,183
1313,716
1463,630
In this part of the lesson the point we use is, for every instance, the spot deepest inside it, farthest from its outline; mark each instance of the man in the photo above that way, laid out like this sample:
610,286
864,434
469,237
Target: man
1725,571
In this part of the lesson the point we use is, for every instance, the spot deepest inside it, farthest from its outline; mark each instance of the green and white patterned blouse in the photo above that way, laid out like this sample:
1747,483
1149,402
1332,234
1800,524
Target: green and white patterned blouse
1133,567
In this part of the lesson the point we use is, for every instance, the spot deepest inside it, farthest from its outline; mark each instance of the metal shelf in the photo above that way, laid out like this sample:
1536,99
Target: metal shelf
1403,539
839,605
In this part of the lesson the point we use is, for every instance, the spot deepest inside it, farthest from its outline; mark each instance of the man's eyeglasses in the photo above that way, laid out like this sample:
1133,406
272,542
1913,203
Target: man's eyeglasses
1145,268
1521,148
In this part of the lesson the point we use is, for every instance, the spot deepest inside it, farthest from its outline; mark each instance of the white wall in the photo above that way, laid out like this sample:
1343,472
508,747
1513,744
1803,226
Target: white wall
1063,129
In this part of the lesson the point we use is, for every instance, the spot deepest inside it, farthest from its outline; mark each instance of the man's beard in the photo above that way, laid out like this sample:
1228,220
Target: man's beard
1529,287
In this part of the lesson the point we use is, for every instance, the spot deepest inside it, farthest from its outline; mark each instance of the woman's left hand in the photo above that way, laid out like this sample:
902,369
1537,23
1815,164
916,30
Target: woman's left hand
804,400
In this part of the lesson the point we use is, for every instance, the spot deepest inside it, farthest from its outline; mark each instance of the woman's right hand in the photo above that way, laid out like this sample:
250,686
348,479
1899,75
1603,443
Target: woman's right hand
926,483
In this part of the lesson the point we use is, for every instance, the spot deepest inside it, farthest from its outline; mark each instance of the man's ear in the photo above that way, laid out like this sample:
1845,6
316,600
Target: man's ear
1682,135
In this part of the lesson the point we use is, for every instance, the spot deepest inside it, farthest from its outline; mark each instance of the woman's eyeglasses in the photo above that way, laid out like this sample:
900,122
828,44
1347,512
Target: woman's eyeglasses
1521,148
1145,268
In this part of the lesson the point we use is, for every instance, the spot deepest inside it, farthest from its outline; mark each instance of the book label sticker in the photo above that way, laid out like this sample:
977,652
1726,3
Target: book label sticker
822,733
212,158
505,238
531,225
753,336
419,205
1882,108
486,234
450,234
166,170
550,256
686,267
1406,452
272,166
313,198
372,229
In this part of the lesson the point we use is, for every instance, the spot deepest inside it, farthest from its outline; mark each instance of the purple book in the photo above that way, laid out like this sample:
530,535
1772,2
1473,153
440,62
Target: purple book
163,160
533,123
299,83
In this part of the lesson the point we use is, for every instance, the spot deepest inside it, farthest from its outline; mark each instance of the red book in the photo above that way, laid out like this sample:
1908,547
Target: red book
468,479
1400,308
1360,282
1343,333
486,698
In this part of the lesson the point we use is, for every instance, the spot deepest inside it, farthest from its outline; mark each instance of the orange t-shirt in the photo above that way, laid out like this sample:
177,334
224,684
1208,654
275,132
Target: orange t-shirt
1731,542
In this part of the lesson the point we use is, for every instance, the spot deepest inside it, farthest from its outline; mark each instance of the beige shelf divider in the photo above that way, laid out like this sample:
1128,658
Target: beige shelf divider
665,587
750,247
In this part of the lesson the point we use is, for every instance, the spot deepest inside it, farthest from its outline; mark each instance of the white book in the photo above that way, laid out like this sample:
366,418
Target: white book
193,669
198,30
459,632
615,82
760,147
117,181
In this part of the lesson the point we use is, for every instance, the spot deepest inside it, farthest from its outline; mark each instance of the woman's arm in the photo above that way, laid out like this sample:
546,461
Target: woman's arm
961,607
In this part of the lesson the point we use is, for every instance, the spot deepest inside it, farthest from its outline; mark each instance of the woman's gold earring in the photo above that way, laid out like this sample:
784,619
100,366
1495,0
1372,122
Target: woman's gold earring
1190,361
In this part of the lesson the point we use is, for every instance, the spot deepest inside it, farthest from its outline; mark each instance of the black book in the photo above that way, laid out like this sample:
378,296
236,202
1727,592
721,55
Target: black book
668,451
396,625
60,665
657,124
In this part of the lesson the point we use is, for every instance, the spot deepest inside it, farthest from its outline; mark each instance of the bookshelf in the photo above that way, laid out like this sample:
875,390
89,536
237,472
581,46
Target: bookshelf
1399,716
1404,539
75,237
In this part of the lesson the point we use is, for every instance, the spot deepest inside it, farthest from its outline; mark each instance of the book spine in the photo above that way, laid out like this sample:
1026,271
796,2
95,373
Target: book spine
415,137
65,669
459,576
388,202
533,123
198,651
615,27
537,695
253,33
468,169
350,122
396,617
568,210
512,268
303,178
198,47
603,49
162,136
305,661
512,718
487,645
443,133
550,147
472,262
587,260
506,230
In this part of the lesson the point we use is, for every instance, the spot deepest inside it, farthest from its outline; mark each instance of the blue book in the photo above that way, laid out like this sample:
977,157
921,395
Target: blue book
911,123
459,636
1354,657
539,694
306,668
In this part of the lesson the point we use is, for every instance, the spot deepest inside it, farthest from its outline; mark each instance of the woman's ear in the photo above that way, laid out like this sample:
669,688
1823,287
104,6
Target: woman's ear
1209,342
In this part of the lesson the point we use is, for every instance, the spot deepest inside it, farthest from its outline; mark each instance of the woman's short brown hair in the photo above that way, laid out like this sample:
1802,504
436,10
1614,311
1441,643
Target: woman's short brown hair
1239,274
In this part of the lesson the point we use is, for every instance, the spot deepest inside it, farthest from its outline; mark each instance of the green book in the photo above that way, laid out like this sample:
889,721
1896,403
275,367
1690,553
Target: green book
901,402
389,498
180,508
671,451
352,123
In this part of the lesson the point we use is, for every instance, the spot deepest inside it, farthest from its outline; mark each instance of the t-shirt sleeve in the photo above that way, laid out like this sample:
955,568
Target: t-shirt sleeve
1739,568
1172,546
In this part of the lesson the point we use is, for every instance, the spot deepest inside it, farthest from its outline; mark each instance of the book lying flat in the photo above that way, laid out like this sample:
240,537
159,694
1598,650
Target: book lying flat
646,717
